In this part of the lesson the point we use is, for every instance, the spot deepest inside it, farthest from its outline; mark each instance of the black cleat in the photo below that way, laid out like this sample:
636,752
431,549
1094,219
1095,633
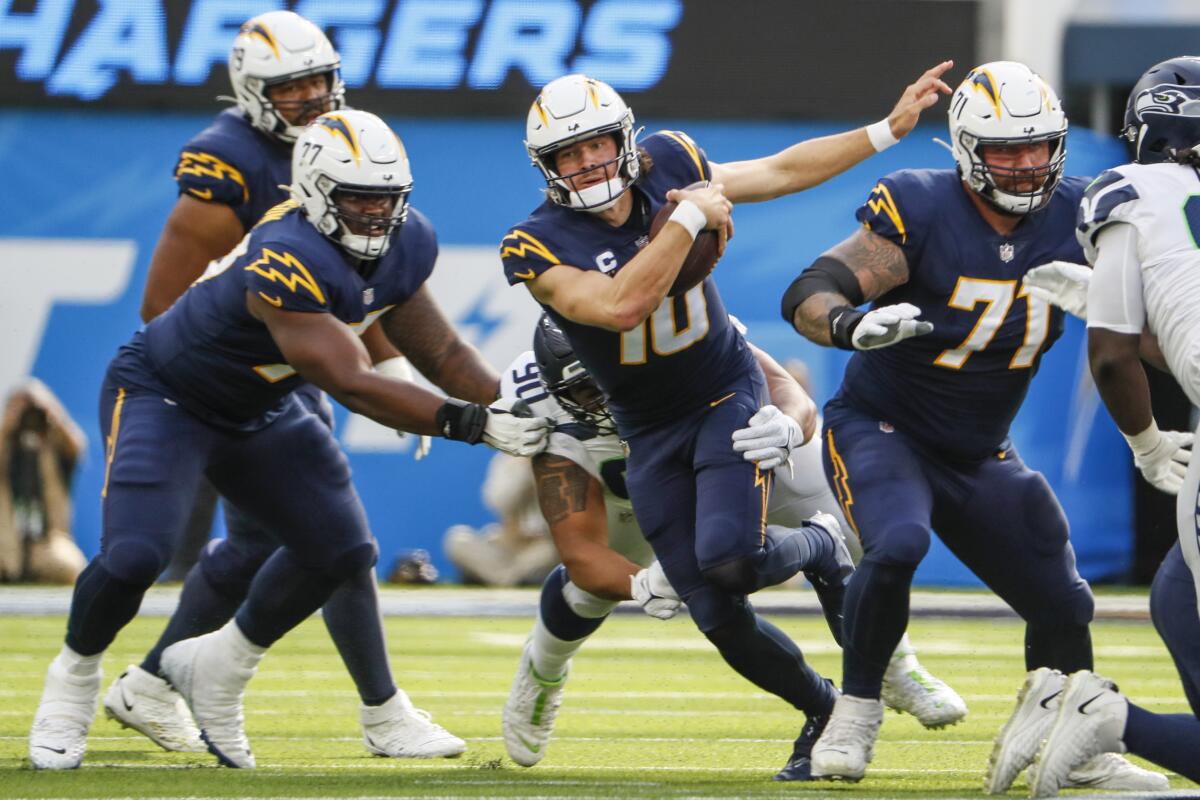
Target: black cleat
799,766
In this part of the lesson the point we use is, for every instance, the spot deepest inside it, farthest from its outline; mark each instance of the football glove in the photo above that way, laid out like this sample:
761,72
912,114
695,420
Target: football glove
654,593
768,438
881,327
512,428
1162,456
1062,284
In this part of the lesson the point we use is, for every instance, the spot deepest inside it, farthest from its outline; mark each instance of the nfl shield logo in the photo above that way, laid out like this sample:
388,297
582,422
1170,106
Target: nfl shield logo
368,295
1006,252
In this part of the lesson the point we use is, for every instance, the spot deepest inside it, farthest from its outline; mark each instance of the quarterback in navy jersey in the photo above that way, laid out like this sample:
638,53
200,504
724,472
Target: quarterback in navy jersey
678,377
284,73
206,388
916,438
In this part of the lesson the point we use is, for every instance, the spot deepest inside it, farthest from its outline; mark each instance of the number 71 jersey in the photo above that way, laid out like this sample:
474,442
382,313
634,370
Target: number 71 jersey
959,387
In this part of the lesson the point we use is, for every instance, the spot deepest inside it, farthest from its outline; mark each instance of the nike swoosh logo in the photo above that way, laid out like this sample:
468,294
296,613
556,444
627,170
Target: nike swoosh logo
533,748
525,276
1046,700
125,700
1083,706
62,751
275,301
203,194
720,400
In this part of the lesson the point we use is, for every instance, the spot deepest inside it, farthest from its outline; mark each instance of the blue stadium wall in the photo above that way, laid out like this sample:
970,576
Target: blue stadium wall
87,192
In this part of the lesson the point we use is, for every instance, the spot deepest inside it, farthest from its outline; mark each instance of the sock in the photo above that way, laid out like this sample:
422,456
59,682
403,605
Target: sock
202,609
356,626
1169,740
1066,648
76,665
560,631
100,607
283,594
787,551
765,656
875,616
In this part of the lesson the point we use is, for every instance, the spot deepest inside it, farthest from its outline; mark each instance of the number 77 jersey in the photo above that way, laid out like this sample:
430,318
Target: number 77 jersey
958,388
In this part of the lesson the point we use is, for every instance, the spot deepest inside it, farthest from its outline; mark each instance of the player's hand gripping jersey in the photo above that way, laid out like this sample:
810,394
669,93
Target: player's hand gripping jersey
1162,202
958,388
232,163
687,351
220,362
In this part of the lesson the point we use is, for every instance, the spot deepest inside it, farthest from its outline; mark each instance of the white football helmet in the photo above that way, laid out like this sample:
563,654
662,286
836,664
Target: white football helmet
1006,103
346,154
571,109
277,47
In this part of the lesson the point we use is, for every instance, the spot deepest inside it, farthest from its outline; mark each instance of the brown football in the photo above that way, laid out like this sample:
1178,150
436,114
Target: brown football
700,260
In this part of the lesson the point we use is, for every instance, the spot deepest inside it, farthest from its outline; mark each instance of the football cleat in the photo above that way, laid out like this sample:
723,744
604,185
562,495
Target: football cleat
799,766
58,738
829,579
529,714
147,704
396,729
1017,743
910,689
848,742
212,679
1087,728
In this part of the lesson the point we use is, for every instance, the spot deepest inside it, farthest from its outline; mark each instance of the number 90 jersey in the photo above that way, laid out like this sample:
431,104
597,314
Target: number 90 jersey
958,388
687,352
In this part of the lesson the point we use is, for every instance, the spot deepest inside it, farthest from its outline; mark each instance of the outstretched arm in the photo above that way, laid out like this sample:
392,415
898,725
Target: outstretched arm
814,161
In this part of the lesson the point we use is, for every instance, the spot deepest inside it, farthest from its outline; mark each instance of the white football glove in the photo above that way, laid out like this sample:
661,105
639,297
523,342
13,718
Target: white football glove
885,326
511,429
1062,284
654,593
1162,456
768,438
399,368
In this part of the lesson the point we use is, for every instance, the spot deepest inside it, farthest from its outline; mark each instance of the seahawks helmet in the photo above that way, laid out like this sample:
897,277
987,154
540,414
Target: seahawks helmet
565,377
274,48
345,154
571,109
1005,103
1162,117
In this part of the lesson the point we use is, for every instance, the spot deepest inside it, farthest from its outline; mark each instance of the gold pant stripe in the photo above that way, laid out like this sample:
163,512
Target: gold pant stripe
111,445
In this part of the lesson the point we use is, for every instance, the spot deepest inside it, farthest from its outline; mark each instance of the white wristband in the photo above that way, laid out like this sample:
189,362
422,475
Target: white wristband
880,134
1144,442
396,367
689,215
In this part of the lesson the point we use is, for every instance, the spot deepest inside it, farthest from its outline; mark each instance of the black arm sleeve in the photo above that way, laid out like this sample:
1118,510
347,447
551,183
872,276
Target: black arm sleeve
826,275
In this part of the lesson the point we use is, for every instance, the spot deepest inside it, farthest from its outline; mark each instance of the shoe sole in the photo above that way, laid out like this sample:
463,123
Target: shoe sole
133,726
1000,745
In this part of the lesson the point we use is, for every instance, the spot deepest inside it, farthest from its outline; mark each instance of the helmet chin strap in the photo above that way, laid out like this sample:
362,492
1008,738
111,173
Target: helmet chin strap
600,197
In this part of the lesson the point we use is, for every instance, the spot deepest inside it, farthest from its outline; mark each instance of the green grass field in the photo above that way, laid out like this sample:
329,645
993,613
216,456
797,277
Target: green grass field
650,711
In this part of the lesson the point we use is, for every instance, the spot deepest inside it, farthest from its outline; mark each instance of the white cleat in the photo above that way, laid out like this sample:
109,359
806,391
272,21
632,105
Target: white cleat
910,689
59,735
212,676
396,729
1017,743
147,704
529,714
1088,726
848,742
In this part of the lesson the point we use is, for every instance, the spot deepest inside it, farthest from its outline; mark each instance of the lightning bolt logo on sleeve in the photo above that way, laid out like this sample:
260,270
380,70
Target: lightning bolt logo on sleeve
521,245
206,165
286,269
881,201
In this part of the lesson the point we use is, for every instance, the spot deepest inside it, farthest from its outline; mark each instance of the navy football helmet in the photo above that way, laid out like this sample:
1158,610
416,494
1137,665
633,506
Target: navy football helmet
565,377
1162,117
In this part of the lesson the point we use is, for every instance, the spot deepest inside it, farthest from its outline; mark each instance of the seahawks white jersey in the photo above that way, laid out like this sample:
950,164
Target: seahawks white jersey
1162,203
799,493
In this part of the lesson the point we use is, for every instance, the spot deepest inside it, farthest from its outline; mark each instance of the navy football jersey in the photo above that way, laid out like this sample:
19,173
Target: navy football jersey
221,363
687,351
958,388
232,163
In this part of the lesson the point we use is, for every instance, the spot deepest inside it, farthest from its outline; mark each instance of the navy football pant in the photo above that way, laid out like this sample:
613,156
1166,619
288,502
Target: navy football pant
289,476
997,516
703,510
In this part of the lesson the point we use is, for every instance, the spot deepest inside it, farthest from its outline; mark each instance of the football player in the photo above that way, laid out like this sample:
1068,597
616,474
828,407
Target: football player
206,387
678,377
580,482
916,438
1139,225
284,74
